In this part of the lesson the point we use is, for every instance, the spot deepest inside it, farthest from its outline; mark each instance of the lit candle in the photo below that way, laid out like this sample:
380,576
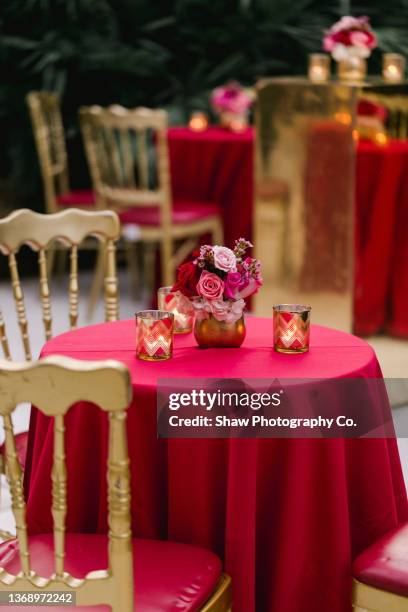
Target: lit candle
291,328
319,67
180,306
393,67
154,335
198,121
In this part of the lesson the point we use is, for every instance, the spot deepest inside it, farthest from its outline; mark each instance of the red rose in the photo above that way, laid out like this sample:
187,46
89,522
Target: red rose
342,37
187,278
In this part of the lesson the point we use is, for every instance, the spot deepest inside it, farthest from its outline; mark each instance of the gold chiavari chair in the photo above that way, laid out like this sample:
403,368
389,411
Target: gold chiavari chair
48,129
39,231
128,574
119,145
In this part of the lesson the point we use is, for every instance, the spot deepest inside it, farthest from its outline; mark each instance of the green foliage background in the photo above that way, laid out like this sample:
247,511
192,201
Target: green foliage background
167,53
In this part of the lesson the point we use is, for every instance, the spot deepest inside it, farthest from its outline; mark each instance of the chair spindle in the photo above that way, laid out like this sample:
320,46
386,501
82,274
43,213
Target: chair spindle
73,287
45,294
59,495
14,475
19,301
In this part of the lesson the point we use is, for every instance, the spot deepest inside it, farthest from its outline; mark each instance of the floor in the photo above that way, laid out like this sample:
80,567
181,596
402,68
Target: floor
392,353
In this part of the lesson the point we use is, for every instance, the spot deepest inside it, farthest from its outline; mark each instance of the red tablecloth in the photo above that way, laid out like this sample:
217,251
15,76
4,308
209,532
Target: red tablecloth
381,279
216,165
286,516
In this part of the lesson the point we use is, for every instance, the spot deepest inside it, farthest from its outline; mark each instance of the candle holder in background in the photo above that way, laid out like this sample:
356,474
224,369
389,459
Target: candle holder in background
198,121
319,67
180,306
154,335
393,67
291,328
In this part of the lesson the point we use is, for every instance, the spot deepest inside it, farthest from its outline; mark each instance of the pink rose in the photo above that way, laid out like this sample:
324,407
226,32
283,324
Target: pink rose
210,286
251,287
224,259
232,284
363,39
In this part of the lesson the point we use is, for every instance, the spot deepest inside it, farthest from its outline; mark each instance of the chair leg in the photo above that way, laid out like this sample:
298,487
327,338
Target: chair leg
218,232
97,281
166,261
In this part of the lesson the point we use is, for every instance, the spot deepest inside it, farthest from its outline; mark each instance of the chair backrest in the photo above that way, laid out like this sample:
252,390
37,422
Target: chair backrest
53,385
396,123
38,231
46,119
119,143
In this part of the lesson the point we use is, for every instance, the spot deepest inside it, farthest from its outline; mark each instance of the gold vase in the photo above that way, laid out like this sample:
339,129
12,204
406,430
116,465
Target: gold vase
352,69
211,333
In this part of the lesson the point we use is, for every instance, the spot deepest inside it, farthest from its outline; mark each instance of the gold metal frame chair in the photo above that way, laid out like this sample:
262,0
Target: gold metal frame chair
116,145
54,384
48,129
38,231
369,599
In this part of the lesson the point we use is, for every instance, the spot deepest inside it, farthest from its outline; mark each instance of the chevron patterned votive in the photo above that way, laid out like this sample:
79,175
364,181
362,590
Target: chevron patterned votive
154,335
291,328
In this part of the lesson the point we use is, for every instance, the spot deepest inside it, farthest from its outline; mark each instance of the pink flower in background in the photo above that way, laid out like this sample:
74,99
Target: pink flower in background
231,98
363,39
224,259
210,286
350,37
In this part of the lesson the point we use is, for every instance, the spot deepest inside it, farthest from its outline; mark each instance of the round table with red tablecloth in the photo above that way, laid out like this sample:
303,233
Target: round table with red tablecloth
287,516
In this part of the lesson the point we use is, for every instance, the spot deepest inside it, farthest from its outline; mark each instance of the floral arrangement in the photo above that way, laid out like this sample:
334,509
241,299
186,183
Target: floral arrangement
219,279
350,37
232,98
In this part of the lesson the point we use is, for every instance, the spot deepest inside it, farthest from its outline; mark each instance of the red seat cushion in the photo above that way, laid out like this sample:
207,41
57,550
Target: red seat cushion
168,577
21,446
82,198
384,565
182,212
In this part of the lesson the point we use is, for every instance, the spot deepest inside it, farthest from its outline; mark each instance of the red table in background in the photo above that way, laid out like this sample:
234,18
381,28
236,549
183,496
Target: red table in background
216,165
287,516
381,276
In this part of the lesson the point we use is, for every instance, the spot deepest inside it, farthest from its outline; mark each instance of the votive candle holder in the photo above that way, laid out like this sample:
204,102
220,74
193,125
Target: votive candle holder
393,67
198,121
154,335
180,306
291,328
319,67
